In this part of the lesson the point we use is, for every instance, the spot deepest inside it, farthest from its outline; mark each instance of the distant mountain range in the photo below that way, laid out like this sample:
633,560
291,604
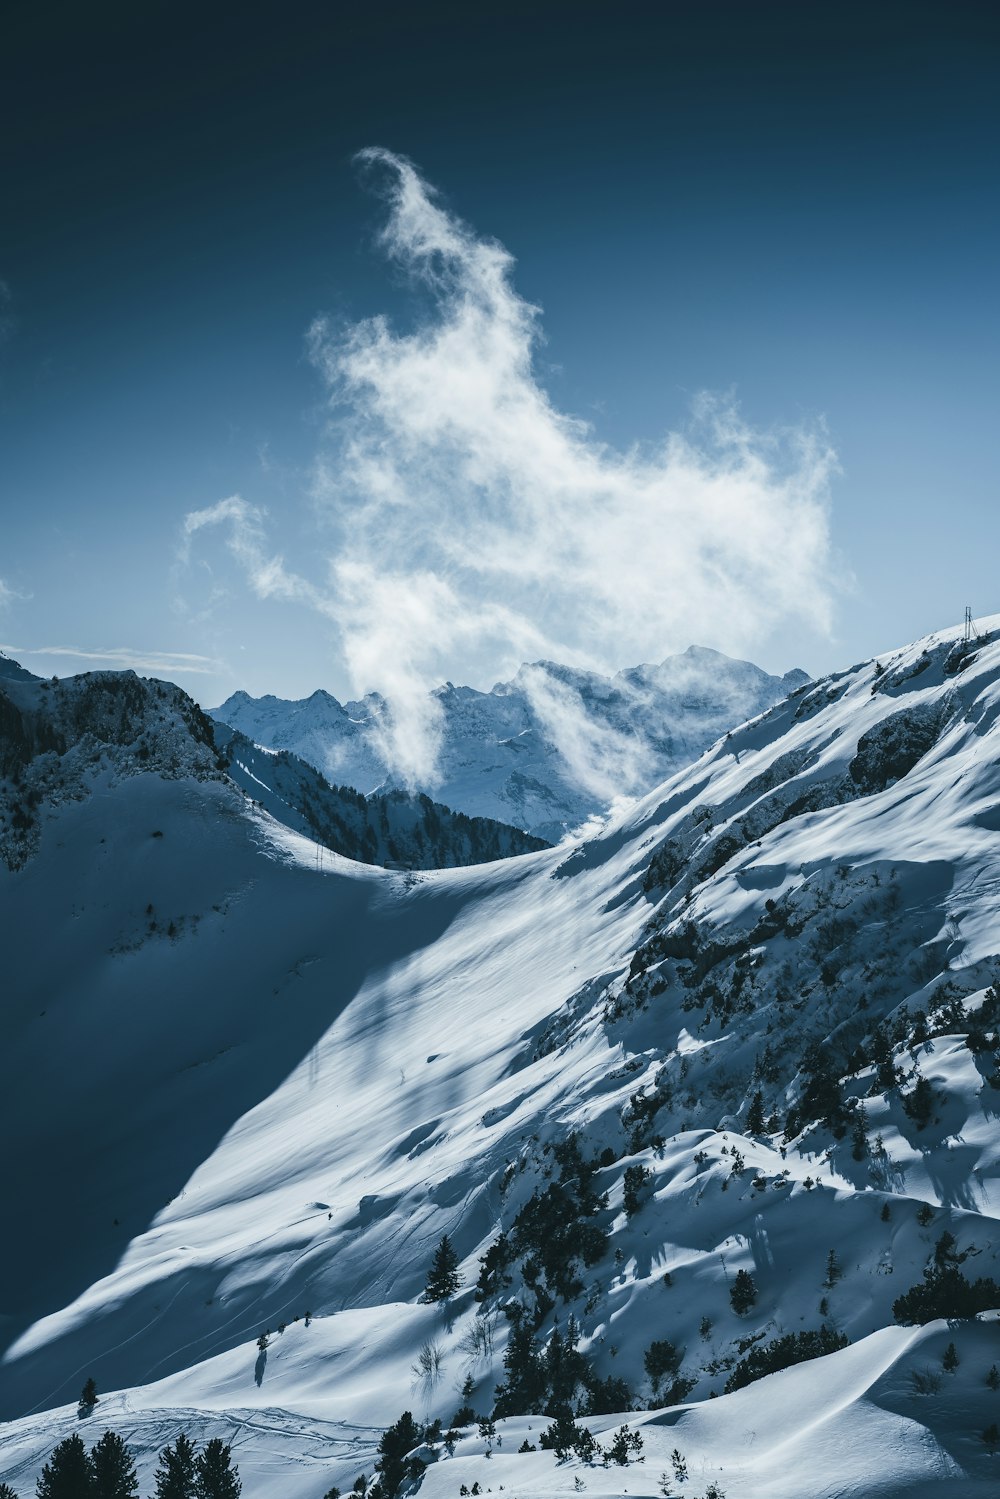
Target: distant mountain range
543,752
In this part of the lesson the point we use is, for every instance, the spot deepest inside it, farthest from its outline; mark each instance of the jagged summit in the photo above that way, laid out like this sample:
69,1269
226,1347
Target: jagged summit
751,1029
545,751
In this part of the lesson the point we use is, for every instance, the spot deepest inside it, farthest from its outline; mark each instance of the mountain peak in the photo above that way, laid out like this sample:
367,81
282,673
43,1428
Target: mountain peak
520,754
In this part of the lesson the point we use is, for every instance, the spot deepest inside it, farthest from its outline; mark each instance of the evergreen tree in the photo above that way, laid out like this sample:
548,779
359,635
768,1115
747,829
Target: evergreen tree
443,1279
920,1103
756,1123
113,1469
886,1071
821,1095
565,1367
465,1415
393,1447
949,1359
6,1492
635,1178
661,1360
859,1136
993,1377
491,1267
68,1473
743,1292
833,1270
524,1387
88,1399
215,1476
174,1478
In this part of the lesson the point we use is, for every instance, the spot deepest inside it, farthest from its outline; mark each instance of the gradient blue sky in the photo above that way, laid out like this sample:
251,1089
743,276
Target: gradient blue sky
794,203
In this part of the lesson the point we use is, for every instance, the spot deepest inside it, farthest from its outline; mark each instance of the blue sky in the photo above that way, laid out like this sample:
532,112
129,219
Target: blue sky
790,207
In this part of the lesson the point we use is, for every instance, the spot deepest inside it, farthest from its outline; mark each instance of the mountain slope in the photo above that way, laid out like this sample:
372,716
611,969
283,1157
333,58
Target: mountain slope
544,751
398,828
290,1100
55,736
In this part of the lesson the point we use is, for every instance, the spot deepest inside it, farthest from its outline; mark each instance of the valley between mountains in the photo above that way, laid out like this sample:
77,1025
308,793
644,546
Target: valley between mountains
707,1104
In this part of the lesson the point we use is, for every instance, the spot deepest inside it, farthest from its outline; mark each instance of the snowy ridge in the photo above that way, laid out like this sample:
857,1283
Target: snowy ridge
801,925
399,829
54,736
543,752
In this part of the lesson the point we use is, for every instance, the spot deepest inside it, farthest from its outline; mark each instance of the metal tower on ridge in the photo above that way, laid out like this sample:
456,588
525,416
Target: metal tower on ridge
972,631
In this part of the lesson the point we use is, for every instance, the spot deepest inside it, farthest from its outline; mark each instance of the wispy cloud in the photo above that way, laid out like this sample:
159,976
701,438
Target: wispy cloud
11,595
157,663
476,523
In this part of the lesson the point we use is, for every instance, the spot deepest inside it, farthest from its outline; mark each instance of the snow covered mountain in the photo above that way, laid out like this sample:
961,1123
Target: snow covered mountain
542,752
54,735
704,1095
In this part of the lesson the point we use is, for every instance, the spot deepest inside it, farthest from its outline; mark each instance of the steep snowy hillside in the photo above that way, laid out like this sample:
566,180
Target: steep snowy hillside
710,1095
528,752
397,828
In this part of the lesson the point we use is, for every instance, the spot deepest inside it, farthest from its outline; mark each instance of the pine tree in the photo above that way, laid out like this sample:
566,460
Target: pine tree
920,1103
215,1476
993,1377
859,1136
68,1474
833,1270
88,1399
635,1179
393,1447
442,1282
949,1359
6,1492
743,1292
661,1360
113,1468
174,1478
821,1094
465,1415
524,1387
756,1123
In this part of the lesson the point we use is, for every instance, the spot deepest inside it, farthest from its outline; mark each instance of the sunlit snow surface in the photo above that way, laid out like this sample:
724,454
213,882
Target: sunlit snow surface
282,1105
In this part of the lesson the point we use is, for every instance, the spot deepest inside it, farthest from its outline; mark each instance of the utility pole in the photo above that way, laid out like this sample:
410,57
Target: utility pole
968,624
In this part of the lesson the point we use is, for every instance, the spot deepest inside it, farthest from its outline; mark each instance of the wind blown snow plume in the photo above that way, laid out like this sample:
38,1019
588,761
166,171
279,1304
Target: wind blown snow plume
475,522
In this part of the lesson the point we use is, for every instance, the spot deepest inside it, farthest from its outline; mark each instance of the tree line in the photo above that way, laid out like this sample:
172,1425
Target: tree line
107,1471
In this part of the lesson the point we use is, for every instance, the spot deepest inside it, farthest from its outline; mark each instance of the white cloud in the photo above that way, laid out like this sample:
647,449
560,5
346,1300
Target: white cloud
599,757
475,525
11,595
